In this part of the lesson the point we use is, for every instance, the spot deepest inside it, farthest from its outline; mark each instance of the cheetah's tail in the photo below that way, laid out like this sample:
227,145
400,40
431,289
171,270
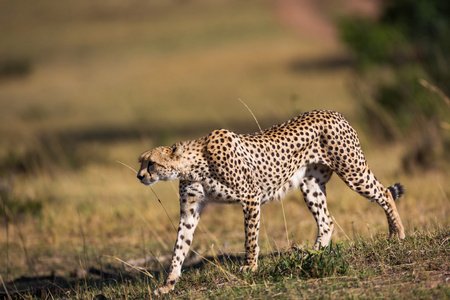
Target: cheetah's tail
396,190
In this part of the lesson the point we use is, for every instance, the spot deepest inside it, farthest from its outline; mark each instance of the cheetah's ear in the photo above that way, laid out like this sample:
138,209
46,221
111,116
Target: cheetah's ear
144,156
177,151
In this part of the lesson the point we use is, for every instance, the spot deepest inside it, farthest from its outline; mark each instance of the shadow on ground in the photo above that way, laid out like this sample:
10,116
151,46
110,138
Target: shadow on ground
95,279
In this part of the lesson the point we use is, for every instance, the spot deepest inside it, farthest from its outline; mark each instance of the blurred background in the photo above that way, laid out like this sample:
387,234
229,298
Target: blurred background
86,87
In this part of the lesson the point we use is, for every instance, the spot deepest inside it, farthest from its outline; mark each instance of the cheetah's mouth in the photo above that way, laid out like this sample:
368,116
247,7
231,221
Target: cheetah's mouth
147,182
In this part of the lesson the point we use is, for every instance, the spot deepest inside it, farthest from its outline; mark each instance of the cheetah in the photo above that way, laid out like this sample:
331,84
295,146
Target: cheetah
256,168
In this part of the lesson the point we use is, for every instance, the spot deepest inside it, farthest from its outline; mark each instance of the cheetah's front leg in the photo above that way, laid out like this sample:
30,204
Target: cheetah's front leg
251,221
191,204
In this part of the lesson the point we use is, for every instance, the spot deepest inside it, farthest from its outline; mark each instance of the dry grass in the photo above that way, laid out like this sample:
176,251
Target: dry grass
108,81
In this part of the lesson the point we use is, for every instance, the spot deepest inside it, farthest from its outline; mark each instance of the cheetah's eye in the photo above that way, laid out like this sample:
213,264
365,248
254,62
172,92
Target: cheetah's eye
151,164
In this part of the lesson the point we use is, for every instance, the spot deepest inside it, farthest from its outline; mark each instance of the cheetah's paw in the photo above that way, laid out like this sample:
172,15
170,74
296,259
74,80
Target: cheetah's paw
248,268
163,290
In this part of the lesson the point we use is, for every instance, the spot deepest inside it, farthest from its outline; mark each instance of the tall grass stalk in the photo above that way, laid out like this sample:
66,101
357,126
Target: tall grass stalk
7,236
4,286
159,200
139,269
282,205
165,210
436,90
28,260
343,231
253,115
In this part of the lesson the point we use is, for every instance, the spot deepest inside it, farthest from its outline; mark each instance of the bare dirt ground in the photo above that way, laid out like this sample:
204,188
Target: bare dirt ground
317,18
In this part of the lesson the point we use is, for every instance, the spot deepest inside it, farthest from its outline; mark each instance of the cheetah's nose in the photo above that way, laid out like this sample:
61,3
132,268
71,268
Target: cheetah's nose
140,177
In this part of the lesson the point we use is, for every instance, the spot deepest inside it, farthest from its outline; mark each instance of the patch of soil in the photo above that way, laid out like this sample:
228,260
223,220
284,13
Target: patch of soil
317,18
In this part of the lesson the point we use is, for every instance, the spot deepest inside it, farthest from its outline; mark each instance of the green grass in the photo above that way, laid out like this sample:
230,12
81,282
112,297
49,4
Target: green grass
363,268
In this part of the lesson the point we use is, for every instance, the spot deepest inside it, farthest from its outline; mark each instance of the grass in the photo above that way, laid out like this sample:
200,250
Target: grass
364,268
105,82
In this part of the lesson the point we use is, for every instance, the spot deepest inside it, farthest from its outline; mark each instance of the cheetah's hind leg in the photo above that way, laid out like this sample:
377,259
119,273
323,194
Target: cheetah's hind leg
314,194
367,185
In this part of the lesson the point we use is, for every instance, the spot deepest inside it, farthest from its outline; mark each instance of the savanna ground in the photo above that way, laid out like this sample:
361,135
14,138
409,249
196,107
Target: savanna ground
86,87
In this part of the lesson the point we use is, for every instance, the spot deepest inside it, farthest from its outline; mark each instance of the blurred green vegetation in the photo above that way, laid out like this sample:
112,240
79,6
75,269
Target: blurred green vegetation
403,75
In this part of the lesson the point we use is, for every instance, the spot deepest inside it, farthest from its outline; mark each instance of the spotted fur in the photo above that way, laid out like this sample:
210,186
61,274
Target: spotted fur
253,169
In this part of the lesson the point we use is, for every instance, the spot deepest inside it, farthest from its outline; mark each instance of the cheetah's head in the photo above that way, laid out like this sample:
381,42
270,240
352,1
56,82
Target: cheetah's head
159,164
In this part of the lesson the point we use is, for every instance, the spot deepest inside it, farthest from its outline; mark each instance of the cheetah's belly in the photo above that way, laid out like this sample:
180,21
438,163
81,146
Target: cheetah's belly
292,183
